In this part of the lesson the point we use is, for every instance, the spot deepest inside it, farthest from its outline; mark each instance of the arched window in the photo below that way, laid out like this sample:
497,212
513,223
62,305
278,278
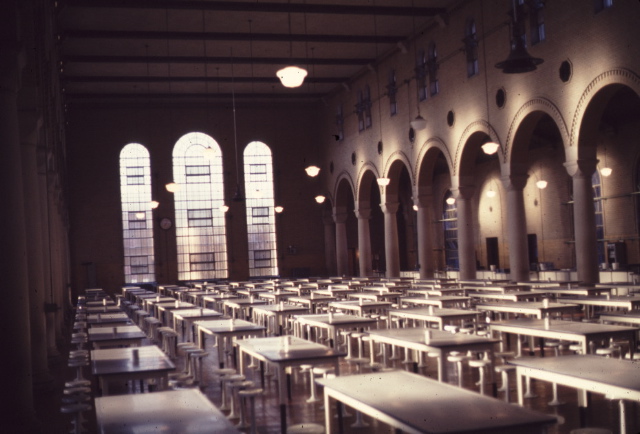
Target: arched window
261,224
450,225
536,13
392,90
137,219
200,221
421,75
597,202
471,48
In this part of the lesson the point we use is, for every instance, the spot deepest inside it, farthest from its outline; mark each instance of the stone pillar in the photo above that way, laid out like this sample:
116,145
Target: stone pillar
426,257
391,245
329,243
364,241
584,219
42,379
342,250
16,392
517,227
466,239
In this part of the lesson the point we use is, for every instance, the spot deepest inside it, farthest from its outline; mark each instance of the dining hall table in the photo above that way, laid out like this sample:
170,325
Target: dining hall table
603,301
111,319
184,320
275,316
438,316
129,365
311,301
614,378
539,309
414,404
304,325
583,333
112,336
284,352
360,307
191,412
439,301
440,342
226,331
519,296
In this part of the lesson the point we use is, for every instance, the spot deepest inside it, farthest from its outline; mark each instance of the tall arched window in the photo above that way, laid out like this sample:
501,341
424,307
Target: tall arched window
450,225
137,219
432,69
261,224
200,221
597,202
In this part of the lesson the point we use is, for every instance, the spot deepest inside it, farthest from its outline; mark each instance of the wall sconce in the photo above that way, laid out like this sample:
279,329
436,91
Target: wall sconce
320,198
312,171
451,200
278,209
172,187
154,204
383,182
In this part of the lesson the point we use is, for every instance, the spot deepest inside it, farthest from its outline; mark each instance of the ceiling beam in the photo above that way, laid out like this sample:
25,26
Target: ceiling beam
227,36
183,79
252,6
200,96
215,60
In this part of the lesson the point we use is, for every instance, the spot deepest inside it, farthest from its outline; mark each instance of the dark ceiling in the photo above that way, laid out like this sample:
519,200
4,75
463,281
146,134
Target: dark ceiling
161,50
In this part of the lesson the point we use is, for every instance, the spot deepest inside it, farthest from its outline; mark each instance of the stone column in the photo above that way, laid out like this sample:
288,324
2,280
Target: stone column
16,392
517,227
466,240
364,241
329,243
391,245
425,235
42,379
342,251
584,219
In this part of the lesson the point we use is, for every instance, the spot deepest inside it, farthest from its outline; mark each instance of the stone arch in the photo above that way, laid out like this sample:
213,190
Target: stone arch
343,186
536,105
473,134
430,147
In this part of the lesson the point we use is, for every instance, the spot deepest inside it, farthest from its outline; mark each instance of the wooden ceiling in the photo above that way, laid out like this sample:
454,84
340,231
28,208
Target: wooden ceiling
205,50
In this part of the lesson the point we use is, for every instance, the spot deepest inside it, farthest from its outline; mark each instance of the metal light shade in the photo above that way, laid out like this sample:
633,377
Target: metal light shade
491,193
140,215
292,76
490,148
224,208
383,181
519,59
450,200
312,171
606,171
278,209
154,204
415,207
320,198
542,184
419,123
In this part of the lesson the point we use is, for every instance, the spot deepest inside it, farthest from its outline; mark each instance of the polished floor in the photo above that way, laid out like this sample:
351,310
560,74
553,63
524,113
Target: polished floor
602,413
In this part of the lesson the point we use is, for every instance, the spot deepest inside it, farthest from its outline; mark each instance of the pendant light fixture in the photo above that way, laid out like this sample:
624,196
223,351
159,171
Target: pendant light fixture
383,182
419,123
209,153
239,195
489,147
519,60
541,183
312,171
320,198
291,76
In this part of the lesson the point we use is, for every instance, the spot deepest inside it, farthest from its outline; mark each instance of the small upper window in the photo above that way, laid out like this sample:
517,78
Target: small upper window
538,33
367,107
360,111
601,5
471,48
432,69
421,75
392,90
340,122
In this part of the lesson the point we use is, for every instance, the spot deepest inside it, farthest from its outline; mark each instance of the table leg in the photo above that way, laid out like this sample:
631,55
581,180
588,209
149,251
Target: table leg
520,391
623,422
327,414
442,367
282,393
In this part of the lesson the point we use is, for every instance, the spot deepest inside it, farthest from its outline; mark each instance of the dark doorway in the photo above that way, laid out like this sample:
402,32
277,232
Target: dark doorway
532,246
493,257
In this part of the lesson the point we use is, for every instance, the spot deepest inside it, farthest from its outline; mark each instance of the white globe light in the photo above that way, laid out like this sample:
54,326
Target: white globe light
606,171
291,76
542,184
320,198
312,171
490,148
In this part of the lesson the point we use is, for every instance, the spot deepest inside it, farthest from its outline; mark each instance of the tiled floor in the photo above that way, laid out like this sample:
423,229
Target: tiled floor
602,413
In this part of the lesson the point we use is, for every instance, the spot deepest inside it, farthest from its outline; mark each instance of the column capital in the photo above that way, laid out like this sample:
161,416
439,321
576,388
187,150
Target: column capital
327,217
514,182
581,168
390,207
363,213
463,192
423,200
